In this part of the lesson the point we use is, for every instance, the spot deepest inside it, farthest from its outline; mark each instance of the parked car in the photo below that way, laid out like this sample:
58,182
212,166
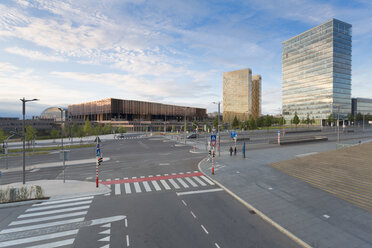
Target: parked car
120,136
192,136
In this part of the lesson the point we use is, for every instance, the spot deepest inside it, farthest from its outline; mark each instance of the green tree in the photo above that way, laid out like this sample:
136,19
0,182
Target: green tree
75,130
107,129
368,117
81,133
308,120
235,123
281,121
313,121
173,128
215,122
55,133
252,124
2,136
97,130
87,128
195,125
66,130
330,119
295,119
350,117
267,121
122,129
246,125
30,133
359,117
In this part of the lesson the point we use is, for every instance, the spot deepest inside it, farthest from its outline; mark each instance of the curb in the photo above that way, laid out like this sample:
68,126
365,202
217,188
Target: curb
258,212
192,151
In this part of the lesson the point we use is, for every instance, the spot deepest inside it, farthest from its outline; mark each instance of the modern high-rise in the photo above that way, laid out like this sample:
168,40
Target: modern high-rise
241,95
316,72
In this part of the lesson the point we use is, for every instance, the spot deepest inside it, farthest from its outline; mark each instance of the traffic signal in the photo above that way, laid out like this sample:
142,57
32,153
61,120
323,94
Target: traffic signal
213,154
209,152
100,161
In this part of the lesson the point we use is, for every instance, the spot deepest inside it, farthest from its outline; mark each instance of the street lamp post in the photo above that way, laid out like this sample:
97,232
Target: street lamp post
24,135
63,152
218,128
184,129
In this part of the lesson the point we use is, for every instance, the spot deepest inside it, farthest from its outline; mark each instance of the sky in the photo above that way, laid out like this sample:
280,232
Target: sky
173,52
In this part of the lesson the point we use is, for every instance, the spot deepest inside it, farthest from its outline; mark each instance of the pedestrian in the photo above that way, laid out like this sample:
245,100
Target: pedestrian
235,150
231,151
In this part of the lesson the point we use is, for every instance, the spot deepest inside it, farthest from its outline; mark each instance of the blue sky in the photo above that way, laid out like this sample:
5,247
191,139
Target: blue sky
175,52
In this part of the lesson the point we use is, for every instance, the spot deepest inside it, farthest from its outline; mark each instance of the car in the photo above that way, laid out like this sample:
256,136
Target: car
192,136
120,136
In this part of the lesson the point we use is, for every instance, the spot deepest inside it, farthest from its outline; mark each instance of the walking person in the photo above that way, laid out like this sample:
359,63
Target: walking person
235,150
231,151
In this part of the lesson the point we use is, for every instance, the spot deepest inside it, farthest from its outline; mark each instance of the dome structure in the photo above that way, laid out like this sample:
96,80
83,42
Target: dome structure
53,113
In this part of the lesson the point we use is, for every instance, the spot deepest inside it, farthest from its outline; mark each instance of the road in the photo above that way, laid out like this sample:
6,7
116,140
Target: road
158,199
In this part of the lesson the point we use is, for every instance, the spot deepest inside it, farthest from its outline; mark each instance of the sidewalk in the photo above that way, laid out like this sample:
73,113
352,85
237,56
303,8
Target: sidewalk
313,215
56,189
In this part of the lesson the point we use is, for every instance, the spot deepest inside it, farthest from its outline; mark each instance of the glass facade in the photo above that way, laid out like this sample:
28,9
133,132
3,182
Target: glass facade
316,72
361,105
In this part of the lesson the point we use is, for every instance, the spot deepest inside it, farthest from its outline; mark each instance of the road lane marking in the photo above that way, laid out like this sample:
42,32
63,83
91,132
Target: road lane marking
217,245
117,188
147,186
191,182
306,154
137,188
326,216
199,191
38,238
126,222
156,185
63,201
207,180
193,215
54,244
108,231
175,185
183,183
108,185
53,211
199,181
105,239
127,237
165,185
184,203
54,217
205,230
127,188
56,223
58,206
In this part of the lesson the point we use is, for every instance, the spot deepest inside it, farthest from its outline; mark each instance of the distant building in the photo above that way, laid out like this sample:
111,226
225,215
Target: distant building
361,105
241,95
13,124
53,113
316,72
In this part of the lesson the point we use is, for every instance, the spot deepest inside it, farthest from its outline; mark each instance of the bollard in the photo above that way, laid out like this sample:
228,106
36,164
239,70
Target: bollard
97,174
213,163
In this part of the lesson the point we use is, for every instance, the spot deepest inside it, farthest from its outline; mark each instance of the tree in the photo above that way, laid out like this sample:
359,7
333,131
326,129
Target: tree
173,128
330,119
295,119
97,130
350,117
30,133
122,129
87,128
55,133
281,121
2,136
81,134
107,129
313,121
75,130
260,121
215,122
308,120
252,124
235,123
246,125
359,117
368,117
195,125
268,121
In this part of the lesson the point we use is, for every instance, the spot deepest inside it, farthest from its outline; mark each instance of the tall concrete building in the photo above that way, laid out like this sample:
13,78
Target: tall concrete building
241,95
316,72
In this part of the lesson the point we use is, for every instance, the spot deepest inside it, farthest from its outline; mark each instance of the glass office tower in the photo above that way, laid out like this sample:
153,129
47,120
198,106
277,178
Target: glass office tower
316,72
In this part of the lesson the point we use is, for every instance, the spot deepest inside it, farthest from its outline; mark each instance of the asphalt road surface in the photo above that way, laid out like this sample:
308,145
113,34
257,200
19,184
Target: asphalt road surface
158,199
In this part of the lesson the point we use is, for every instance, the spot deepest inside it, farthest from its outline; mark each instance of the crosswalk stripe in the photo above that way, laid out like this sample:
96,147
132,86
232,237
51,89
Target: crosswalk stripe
199,181
156,185
56,223
63,201
183,183
53,211
54,244
127,188
147,186
38,238
207,180
19,222
191,182
117,188
59,206
175,185
137,187
165,185
108,186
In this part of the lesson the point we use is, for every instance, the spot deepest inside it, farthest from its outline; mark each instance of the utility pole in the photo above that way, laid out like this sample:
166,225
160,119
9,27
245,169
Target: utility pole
218,128
63,151
24,135
185,126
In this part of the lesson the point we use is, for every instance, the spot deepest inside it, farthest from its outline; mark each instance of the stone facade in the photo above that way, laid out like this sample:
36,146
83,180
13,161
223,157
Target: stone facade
256,96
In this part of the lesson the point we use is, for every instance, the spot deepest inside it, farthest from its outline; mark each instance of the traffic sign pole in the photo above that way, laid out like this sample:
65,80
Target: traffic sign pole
98,151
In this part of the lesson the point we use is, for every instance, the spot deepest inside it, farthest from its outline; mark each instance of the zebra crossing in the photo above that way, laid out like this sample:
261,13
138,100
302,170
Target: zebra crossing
47,224
174,181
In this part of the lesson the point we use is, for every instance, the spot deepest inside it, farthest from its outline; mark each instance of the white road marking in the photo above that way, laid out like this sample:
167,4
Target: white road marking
184,203
166,186
326,216
126,222
35,170
53,211
137,187
106,239
174,173
306,154
108,231
147,186
166,174
217,245
156,185
175,185
193,215
142,176
53,217
56,223
207,180
54,244
117,189
199,191
59,206
38,238
88,178
127,188
127,237
191,182
109,185
63,201
182,183
106,246
163,164
107,225
199,181
196,171
205,230
158,175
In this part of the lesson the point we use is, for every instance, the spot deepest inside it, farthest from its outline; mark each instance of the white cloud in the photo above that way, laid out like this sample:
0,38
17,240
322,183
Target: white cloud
35,55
